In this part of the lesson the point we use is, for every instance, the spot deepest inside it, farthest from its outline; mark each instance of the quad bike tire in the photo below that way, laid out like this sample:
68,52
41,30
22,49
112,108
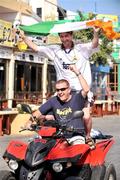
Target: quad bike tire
6,175
84,174
104,172
110,173
98,172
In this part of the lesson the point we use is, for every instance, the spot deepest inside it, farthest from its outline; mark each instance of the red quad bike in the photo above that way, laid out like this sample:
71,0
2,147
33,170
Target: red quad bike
50,156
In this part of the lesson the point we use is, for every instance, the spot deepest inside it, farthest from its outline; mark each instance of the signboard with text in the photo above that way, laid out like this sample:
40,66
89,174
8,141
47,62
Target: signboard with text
6,33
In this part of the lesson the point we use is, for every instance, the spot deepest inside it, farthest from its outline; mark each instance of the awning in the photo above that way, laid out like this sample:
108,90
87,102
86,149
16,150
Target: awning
100,68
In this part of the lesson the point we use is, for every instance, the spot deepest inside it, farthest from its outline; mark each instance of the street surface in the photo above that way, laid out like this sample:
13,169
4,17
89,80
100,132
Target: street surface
106,124
111,125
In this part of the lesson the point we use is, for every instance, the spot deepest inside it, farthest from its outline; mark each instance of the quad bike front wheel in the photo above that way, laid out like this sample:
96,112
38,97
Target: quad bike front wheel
110,173
6,175
84,174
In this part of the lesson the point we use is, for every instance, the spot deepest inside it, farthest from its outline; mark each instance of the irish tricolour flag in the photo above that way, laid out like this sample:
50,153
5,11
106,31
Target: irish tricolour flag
48,27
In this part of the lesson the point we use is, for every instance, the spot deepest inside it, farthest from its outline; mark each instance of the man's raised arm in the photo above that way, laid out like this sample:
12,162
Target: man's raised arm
27,40
95,41
84,85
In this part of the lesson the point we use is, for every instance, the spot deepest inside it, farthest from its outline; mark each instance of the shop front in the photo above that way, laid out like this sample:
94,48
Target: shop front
5,57
34,79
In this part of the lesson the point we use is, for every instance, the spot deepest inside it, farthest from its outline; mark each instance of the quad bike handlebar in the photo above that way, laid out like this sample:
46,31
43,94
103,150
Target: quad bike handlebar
60,129
52,123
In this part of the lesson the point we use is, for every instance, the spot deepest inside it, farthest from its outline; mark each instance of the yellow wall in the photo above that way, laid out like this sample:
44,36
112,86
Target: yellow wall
6,33
17,122
16,6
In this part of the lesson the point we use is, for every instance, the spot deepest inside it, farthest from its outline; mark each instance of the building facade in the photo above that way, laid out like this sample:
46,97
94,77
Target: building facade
24,75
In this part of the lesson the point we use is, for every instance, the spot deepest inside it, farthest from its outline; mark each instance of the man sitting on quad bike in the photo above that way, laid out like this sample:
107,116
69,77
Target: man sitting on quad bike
65,103
60,152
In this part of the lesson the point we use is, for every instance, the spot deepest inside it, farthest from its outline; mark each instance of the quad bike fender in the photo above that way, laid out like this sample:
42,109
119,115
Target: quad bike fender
97,156
67,152
16,150
47,131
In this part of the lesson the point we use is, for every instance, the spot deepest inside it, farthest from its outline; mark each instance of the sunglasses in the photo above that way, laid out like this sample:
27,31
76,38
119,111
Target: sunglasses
61,89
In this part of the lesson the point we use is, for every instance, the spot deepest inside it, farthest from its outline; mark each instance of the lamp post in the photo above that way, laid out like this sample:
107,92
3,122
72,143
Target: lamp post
95,4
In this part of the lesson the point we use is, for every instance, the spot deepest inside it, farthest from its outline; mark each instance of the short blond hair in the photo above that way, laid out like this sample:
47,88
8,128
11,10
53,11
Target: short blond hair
63,81
69,32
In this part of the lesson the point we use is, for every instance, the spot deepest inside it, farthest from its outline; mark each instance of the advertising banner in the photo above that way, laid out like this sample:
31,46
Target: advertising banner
6,33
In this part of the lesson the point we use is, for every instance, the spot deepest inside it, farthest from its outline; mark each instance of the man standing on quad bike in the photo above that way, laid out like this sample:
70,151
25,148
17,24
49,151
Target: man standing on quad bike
65,103
70,53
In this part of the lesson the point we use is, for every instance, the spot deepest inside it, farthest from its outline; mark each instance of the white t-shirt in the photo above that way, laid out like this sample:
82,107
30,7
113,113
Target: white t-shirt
79,55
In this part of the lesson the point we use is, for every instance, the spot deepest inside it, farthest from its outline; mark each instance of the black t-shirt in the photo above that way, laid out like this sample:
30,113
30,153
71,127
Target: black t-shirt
63,111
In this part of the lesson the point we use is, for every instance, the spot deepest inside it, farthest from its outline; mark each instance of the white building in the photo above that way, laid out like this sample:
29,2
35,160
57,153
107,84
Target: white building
28,12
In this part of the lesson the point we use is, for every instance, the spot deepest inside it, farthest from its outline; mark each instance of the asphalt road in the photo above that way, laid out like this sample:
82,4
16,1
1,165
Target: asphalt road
111,125
106,124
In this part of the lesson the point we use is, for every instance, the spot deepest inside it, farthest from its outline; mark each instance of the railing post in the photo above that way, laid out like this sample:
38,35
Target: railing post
44,80
11,81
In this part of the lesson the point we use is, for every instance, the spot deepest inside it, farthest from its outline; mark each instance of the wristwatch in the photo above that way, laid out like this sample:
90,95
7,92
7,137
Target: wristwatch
78,74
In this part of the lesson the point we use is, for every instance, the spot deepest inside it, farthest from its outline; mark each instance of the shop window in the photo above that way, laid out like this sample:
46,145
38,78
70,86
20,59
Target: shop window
51,77
31,57
99,84
113,78
33,78
2,80
28,77
39,12
20,78
39,78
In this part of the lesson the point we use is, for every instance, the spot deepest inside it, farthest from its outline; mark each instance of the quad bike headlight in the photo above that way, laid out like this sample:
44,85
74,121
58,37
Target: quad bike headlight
57,167
13,164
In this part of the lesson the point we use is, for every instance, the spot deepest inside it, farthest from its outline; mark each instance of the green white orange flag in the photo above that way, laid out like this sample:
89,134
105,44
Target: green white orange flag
106,27
45,28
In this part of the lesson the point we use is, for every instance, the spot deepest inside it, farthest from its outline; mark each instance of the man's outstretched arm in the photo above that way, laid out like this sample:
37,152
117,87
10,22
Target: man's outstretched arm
95,41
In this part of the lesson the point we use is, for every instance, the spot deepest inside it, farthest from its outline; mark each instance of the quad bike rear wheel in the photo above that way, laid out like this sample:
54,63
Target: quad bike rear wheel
104,172
110,173
6,175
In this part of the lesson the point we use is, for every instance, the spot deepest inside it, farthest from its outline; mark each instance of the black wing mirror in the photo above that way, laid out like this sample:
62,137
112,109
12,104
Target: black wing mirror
24,108
78,114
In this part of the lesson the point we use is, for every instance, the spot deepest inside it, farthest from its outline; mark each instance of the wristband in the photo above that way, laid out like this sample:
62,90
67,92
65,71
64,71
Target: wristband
23,37
31,119
78,74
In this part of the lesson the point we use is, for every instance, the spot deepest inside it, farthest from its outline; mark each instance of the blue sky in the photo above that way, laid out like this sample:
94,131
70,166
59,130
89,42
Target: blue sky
98,6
